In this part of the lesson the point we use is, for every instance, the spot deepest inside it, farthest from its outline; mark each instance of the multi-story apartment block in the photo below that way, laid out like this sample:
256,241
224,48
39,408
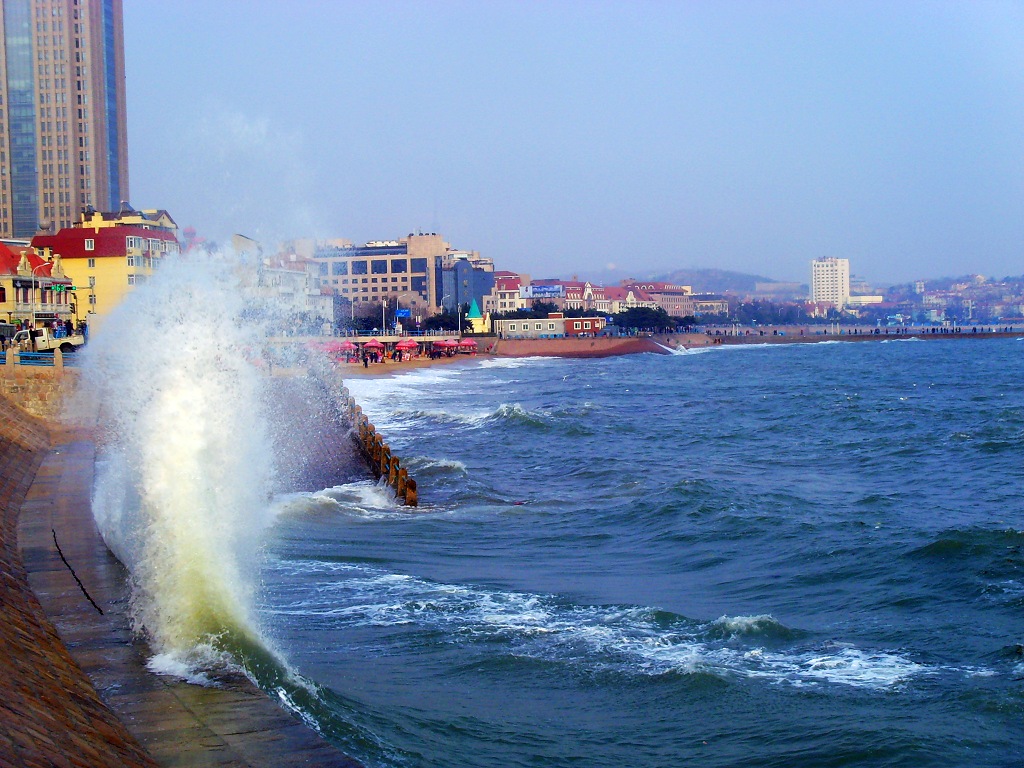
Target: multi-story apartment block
63,131
402,271
462,278
106,254
506,295
676,300
830,281
621,299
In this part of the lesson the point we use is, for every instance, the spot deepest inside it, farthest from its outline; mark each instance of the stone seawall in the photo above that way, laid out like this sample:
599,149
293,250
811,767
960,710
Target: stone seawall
50,713
600,346
40,390
75,690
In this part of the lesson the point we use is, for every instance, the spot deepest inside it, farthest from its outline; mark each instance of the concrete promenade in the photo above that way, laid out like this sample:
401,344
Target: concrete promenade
74,689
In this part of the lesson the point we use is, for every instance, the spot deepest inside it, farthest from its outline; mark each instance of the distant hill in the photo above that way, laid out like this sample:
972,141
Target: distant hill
713,280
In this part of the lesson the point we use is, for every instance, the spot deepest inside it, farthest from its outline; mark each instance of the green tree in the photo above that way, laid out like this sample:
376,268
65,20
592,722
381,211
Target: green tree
644,319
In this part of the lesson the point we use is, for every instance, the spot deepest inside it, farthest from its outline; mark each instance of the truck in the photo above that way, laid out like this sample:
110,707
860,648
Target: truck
44,340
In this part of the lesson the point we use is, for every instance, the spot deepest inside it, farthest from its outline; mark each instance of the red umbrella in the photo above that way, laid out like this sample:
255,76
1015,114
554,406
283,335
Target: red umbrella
467,343
373,344
347,346
406,344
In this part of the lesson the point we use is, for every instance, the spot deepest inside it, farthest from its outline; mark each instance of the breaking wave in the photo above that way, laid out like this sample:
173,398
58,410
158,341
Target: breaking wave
628,640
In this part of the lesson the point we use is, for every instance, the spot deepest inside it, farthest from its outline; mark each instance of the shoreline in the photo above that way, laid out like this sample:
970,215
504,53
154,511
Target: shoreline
659,344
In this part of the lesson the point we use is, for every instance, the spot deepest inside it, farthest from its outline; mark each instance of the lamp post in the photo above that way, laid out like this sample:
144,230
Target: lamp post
446,296
398,304
37,266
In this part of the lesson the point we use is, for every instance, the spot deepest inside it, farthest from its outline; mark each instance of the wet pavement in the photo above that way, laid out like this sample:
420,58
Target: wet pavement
74,688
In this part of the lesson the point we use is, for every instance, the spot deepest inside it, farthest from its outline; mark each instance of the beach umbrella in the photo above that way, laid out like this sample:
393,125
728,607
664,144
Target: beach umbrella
347,346
467,343
406,344
373,344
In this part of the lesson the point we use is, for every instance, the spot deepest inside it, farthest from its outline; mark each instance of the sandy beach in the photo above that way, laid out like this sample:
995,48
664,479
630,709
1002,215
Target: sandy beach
391,367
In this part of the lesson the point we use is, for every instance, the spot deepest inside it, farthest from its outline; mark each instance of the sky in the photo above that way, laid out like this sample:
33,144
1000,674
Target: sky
598,139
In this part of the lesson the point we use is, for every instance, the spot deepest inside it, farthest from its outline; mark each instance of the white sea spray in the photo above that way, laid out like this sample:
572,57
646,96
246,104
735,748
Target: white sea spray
182,484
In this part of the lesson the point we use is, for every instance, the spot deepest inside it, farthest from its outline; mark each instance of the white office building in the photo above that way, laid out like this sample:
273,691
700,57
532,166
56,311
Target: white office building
830,281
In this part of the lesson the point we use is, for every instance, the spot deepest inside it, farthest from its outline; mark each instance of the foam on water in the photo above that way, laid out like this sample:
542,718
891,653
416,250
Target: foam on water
512,362
182,484
631,640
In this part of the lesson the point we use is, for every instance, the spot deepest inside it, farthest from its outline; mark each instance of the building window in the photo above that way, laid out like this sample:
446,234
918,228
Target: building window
131,279
511,326
131,261
379,266
92,281
358,267
551,326
576,326
92,299
90,244
92,263
339,268
418,265
399,265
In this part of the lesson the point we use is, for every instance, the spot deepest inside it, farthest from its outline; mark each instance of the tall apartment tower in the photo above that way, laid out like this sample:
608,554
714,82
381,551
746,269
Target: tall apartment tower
63,129
830,281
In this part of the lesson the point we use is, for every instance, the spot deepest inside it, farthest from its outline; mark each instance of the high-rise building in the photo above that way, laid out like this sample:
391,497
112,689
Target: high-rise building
63,130
830,281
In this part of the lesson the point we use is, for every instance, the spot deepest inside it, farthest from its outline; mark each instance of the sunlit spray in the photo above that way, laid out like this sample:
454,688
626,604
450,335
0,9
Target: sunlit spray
185,460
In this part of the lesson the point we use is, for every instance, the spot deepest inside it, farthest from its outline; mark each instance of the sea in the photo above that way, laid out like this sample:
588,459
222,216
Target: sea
759,555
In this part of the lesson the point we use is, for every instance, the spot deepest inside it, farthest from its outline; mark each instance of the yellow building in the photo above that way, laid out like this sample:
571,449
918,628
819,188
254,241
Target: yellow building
106,254
32,290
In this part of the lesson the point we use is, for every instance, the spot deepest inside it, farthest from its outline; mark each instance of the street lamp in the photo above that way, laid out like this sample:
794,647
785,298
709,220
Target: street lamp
37,266
398,304
458,310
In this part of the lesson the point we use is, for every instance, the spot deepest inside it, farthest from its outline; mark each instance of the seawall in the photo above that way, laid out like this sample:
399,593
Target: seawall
664,343
600,346
74,686
50,713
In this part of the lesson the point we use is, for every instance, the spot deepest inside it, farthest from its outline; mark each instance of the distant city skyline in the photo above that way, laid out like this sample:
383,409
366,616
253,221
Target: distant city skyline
594,138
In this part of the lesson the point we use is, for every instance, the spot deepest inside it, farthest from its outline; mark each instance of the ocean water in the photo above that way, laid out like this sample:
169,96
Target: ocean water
796,555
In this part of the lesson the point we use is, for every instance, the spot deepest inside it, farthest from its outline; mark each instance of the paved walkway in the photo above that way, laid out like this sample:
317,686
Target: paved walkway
50,714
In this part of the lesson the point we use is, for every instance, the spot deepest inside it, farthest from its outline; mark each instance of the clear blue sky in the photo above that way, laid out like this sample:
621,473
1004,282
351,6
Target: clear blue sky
565,137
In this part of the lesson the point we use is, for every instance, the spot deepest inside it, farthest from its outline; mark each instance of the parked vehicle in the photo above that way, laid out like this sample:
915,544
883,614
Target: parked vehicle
44,340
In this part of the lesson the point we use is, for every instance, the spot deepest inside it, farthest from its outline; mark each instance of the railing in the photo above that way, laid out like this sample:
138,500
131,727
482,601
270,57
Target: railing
40,359
45,359
390,334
